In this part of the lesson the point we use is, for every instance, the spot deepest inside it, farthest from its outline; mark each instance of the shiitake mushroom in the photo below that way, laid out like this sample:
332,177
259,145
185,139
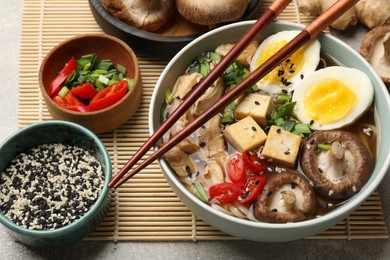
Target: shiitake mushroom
339,172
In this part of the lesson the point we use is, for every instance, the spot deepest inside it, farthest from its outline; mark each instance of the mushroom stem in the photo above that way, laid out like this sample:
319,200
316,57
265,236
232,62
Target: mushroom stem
386,46
289,200
337,150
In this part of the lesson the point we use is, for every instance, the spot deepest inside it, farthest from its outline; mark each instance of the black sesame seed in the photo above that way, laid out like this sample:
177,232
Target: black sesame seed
285,91
245,194
302,76
288,60
274,210
319,169
278,130
311,122
286,152
254,129
293,185
269,193
257,103
311,141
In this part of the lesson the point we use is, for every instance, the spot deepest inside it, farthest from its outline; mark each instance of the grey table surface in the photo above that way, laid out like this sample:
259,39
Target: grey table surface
10,21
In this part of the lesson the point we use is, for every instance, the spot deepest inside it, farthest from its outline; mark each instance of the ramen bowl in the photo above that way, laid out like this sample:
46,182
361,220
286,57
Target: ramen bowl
255,230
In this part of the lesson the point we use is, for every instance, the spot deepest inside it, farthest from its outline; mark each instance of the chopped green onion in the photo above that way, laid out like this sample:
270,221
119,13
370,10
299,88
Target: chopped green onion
130,83
99,85
214,56
86,61
168,96
302,128
100,71
283,98
204,68
201,192
103,79
121,69
324,146
105,65
63,92
111,82
227,117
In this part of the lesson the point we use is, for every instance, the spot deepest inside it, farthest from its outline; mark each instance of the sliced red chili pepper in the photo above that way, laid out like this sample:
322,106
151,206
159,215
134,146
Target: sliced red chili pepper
55,85
253,162
71,102
108,96
85,91
236,169
253,187
224,192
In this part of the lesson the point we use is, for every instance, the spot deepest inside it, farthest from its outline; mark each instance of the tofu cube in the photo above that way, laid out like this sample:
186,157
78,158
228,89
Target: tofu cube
245,134
255,105
282,146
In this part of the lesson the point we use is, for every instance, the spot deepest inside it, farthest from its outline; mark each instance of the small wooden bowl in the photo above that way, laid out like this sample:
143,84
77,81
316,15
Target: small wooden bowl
106,47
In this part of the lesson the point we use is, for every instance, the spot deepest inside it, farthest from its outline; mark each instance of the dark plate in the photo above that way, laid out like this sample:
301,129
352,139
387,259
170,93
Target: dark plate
163,44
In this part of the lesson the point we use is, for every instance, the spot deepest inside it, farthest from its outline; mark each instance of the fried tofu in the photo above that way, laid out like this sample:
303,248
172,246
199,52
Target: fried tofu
282,146
245,134
255,105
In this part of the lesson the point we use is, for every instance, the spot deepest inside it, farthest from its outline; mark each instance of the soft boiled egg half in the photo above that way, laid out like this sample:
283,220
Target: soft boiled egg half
284,77
332,97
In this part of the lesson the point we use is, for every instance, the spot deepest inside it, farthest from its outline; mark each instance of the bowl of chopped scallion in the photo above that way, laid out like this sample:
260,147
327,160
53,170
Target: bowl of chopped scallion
92,80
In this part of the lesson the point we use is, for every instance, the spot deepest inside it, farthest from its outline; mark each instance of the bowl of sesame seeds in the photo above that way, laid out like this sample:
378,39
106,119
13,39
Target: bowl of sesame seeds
53,183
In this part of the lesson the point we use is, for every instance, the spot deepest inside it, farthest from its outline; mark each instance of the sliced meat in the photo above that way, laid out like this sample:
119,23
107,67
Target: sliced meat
212,94
180,162
185,83
245,56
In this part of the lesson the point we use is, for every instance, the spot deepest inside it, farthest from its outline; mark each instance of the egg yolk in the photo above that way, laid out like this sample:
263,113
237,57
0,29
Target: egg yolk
287,69
328,101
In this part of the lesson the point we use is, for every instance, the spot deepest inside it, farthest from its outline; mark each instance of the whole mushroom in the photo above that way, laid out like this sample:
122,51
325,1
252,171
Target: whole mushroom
148,15
210,12
375,48
339,172
287,197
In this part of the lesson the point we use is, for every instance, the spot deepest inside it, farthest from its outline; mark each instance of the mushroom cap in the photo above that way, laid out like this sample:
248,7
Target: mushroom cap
374,51
148,15
334,174
287,197
210,12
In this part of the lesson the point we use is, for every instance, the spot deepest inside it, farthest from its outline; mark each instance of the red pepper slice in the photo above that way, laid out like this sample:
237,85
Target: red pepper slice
253,187
236,169
85,91
71,102
55,85
224,192
253,162
108,96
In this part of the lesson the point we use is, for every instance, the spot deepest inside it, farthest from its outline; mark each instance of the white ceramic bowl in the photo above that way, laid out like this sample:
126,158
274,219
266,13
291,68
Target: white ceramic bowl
266,232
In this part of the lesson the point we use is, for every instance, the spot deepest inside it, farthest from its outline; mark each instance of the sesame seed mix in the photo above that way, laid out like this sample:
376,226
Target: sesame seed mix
50,186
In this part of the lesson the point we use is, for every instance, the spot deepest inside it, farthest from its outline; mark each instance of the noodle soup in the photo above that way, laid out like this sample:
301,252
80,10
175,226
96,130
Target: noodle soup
259,159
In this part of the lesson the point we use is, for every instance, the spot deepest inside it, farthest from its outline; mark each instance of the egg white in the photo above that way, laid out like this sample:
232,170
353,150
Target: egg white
311,59
357,81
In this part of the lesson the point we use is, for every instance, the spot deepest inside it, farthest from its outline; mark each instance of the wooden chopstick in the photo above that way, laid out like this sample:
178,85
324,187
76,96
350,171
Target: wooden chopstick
307,34
269,14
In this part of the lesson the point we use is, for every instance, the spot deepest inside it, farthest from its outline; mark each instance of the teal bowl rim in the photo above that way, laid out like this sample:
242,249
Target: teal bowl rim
332,217
90,214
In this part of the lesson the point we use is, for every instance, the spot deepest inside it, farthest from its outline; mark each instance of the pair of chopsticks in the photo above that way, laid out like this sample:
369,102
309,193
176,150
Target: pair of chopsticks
307,34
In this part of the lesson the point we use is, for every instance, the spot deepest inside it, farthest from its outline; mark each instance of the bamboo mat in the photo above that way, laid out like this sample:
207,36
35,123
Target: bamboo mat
145,208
